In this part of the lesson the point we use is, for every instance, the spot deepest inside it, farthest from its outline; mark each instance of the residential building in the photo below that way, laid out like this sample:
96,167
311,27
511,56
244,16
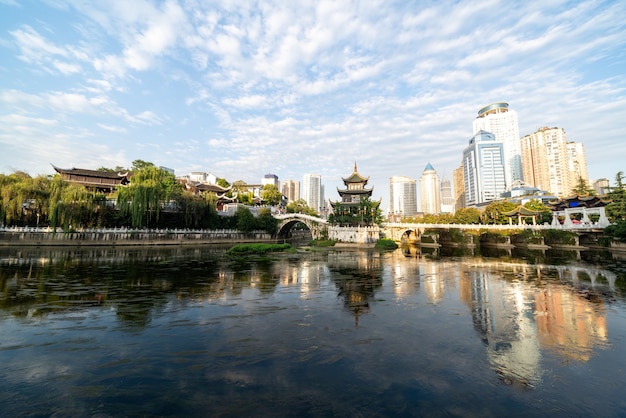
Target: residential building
483,169
601,187
271,179
313,191
551,162
430,190
402,197
291,190
447,200
577,162
502,122
459,188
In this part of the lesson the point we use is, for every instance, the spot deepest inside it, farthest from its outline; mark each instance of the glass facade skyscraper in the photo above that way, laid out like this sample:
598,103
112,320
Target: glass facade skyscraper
483,169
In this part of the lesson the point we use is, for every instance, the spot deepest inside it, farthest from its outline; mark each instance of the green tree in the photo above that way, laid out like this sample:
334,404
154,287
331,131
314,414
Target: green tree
271,195
300,206
245,220
582,188
149,188
223,183
139,165
493,213
266,221
616,210
467,216
538,206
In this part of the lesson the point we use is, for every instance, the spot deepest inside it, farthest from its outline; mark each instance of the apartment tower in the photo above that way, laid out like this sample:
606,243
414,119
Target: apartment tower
313,191
291,190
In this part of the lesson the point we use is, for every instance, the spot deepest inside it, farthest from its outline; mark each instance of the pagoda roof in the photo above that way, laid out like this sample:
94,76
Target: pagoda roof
355,191
90,173
355,177
521,210
588,201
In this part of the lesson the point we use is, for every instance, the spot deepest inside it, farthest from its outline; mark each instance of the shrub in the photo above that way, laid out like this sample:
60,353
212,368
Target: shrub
386,244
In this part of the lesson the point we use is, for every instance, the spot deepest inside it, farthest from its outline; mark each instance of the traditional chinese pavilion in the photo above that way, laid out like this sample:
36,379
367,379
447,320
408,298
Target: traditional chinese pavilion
353,196
100,181
584,205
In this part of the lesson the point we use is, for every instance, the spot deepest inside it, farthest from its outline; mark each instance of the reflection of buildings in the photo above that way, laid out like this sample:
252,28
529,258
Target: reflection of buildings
516,320
569,323
500,313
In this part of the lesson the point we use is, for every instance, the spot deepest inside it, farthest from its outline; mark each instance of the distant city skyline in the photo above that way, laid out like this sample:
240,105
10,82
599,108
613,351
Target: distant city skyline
248,88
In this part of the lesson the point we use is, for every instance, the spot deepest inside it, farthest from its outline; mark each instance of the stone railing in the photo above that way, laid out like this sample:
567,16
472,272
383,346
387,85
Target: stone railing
123,236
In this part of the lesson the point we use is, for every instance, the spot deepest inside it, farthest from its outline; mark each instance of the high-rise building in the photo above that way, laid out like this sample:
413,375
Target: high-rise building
459,188
601,186
501,121
483,169
430,190
313,191
577,162
402,197
551,163
447,201
291,190
271,179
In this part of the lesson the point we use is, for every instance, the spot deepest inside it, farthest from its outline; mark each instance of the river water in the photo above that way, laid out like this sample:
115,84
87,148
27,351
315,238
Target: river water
181,331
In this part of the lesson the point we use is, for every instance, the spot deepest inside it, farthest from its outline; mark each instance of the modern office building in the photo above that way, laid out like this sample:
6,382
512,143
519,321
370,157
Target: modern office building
483,169
313,191
430,190
291,190
402,197
271,179
501,121
551,163
447,200
459,187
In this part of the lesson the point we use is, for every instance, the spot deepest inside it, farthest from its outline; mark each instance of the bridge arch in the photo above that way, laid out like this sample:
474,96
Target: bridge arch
288,221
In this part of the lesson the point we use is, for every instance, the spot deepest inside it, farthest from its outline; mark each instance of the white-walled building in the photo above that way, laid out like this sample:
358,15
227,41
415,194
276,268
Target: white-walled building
402,197
271,179
430,190
313,191
447,199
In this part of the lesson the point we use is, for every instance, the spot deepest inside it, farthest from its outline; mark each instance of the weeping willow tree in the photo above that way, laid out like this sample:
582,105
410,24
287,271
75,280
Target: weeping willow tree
149,188
23,199
72,205
197,211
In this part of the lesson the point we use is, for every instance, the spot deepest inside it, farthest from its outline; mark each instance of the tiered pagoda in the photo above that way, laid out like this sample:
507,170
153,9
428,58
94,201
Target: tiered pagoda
352,199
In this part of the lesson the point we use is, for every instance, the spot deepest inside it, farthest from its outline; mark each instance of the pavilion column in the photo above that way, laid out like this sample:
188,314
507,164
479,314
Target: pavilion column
586,217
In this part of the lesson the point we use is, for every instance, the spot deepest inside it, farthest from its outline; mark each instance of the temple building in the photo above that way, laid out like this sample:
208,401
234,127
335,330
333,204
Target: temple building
352,209
99,181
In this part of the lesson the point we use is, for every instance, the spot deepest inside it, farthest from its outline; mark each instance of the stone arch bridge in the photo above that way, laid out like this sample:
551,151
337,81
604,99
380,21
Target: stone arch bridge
317,226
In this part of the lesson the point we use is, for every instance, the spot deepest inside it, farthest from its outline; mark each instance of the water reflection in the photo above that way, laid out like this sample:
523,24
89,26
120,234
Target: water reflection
394,331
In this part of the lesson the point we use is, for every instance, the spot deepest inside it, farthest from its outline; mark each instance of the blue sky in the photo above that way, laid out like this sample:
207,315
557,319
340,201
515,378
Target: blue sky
245,88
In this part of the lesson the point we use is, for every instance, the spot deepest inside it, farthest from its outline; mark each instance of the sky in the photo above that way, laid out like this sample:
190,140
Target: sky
242,89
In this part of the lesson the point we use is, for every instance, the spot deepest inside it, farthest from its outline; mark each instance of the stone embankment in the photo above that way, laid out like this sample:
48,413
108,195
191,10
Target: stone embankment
118,237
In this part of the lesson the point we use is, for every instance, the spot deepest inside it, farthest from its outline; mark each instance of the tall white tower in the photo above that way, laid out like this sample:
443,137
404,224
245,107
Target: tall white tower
498,119
313,192
430,190
447,200
402,197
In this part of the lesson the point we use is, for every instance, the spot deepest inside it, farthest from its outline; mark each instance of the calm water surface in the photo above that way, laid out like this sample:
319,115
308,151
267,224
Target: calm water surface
190,332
